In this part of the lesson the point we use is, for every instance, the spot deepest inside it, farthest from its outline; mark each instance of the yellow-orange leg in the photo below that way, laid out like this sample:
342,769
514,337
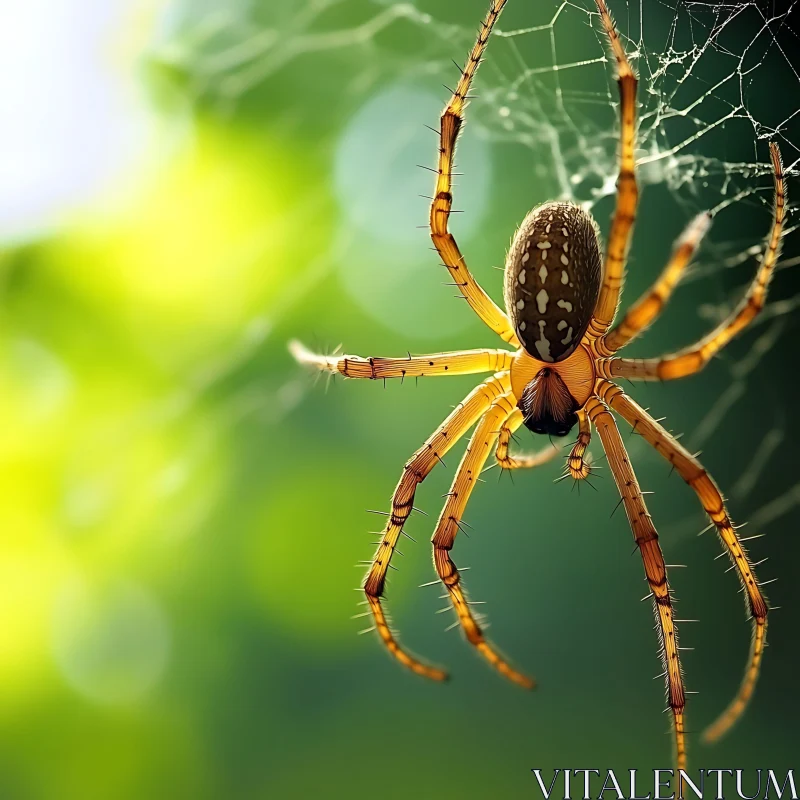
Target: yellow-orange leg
577,466
460,362
642,313
507,461
692,471
692,359
644,533
450,125
627,188
469,470
415,471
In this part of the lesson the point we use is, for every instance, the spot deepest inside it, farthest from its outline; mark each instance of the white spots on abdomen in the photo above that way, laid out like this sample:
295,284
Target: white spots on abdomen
546,297
541,300
543,343
544,247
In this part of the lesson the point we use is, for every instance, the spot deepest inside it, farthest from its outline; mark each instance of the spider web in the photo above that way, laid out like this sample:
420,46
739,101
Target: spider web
716,82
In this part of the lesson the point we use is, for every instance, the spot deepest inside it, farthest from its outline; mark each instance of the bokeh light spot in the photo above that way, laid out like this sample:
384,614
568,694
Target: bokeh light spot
377,178
71,121
380,189
110,641
301,561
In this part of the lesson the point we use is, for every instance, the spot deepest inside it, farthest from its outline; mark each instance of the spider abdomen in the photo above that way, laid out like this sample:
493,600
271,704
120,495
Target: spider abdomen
552,279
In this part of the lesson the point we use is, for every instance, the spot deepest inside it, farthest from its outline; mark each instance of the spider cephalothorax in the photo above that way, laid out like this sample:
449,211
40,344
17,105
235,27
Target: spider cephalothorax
560,308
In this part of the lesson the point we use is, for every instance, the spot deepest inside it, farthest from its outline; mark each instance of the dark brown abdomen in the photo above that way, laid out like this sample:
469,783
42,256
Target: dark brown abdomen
552,279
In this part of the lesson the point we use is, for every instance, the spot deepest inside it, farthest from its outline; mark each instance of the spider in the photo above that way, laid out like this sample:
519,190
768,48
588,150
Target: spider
561,299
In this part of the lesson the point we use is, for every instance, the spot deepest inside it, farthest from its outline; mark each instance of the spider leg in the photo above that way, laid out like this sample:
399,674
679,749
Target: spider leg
627,188
507,461
646,537
577,466
692,471
647,308
415,471
452,120
693,358
460,362
469,471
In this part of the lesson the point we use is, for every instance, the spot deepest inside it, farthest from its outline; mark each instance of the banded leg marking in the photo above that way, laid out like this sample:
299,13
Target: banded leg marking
478,450
415,471
459,362
646,537
451,122
507,461
693,472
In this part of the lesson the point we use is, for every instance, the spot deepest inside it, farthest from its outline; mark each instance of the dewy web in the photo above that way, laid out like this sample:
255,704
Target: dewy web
699,78
551,384
696,75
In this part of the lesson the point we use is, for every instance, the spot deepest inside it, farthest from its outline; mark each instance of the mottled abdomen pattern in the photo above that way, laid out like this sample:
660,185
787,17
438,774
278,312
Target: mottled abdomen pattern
552,279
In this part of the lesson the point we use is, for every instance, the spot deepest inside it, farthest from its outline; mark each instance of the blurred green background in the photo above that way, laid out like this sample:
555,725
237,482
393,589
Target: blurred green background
188,185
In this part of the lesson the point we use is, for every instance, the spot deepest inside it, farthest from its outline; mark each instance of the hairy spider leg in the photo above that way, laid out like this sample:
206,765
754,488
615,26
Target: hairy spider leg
460,362
649,306
577,466
506,461
646,537
463,417
492,403
693,358
693,472
627,189
451,122
469,471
